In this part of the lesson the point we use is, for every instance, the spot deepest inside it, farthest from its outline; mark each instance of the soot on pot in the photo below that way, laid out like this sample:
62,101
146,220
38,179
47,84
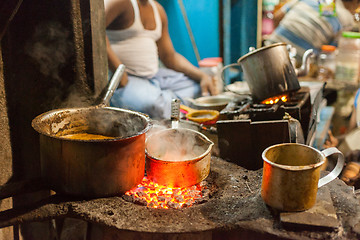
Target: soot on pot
111,122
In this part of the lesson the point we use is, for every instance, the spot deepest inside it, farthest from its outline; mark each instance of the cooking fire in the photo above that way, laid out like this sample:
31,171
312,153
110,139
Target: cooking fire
274,100
153,195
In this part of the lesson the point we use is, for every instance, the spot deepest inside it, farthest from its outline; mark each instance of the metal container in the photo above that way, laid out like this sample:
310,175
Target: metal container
291,175
216,102
95,167
269,72
177,157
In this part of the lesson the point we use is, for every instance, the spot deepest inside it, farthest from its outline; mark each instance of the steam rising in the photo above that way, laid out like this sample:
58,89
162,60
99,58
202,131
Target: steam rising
99,121
118,124
51,49
176,144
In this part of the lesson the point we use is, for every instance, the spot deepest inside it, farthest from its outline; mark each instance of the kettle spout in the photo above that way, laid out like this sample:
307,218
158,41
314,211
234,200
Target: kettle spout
305,66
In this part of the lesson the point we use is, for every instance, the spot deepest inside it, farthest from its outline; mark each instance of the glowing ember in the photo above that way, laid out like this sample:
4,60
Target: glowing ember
155,196
274,100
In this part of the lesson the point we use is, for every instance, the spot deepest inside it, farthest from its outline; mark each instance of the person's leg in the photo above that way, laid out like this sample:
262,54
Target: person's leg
154,96
145,96
180,85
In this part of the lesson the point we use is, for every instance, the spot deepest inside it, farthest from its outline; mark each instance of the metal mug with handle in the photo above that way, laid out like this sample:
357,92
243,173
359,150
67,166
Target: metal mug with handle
291,175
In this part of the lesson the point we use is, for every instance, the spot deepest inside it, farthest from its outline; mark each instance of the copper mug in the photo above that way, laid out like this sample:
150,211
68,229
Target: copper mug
291,175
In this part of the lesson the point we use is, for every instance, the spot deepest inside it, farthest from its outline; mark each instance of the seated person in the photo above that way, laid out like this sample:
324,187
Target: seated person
137,36
301,25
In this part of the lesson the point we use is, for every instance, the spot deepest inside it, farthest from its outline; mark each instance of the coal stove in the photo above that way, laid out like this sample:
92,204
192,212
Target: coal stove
153,195
247,128
235,210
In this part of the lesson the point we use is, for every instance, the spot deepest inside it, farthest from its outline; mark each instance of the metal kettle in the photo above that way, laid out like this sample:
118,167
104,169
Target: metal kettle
269,71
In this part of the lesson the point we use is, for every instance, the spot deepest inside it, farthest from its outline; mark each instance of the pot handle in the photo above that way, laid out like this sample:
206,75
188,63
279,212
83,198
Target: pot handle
305,66
337,169
113,85
226,67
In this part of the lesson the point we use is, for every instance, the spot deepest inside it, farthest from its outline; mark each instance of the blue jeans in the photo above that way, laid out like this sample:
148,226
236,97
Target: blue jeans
153,96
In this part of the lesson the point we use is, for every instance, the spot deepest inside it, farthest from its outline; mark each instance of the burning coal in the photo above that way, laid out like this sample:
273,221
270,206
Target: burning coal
276,99
152,195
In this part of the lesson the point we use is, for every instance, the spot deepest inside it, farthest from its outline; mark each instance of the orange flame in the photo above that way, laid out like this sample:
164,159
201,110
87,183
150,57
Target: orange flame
158,196
276,99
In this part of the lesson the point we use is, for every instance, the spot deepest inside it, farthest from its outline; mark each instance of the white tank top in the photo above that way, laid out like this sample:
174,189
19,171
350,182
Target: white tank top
136,46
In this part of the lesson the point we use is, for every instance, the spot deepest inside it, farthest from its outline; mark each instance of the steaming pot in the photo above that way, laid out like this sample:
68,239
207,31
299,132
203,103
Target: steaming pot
95,167
190,153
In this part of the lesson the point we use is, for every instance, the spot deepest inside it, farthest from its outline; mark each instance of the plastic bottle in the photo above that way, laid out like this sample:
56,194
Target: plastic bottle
327,63
267,22
348,59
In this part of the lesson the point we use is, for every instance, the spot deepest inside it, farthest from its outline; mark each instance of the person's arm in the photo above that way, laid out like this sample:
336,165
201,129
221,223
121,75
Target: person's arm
175,61
113,9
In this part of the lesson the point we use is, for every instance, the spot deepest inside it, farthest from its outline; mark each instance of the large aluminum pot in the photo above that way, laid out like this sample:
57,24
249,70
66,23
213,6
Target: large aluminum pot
92,167
177,157
269,72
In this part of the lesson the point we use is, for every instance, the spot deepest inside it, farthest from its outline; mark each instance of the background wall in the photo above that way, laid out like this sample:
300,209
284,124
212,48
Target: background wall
50,52
243,27
204,20
221,28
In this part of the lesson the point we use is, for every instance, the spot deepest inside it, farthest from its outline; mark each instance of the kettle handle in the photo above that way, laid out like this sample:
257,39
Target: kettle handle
337,169
226,67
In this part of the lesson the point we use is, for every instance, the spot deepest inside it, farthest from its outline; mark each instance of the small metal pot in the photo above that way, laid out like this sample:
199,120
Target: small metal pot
177,157
269,72
95,167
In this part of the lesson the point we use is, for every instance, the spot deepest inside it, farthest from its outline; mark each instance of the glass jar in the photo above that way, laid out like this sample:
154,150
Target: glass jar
327,63
348,59
212,66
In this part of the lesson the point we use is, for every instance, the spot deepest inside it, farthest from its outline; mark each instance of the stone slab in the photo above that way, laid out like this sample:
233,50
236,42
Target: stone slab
322,214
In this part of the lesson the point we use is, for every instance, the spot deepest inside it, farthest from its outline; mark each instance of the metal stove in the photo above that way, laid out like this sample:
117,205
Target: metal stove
246,128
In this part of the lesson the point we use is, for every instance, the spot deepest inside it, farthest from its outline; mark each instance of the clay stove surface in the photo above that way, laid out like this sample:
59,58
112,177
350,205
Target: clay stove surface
235,200
235,209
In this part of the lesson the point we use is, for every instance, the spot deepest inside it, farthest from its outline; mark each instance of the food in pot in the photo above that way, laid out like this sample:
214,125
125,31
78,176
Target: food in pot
86,136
